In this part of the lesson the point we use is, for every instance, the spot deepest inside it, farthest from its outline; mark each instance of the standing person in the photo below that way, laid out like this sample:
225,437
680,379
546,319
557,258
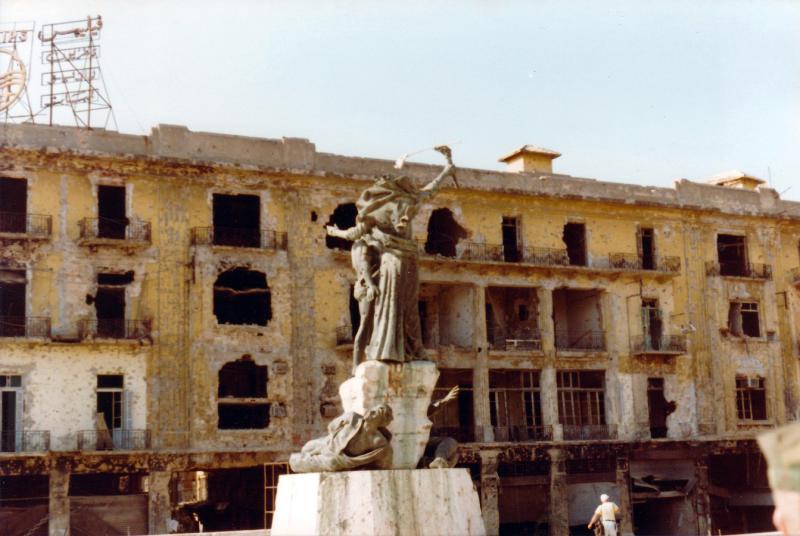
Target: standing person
607,513
781,448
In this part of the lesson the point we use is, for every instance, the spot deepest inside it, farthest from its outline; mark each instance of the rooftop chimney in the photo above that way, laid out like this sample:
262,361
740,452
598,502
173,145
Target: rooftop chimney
529,158
736,179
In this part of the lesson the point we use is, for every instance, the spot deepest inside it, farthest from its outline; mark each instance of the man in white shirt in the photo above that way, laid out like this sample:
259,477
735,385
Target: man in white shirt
607,513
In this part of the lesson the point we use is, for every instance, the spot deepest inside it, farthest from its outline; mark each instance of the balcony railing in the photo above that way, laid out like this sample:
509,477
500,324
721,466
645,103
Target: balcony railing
31,225
114,328
24,441
630,262
25,326
241,238
579,432
665,344
462,434
580,341
126,230
523,433
344,335
750,270
114,439
522,342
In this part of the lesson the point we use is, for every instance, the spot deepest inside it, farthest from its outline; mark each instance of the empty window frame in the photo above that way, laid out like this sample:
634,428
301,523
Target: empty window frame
732,255
10,413
110,394
512,239
581,398
111,212
343,217
647,248
12,303
237,220
13,205
515,404
751,399
109,303
444,232
456,418
512,318
574,237
652,324
242,396
743,319
241,296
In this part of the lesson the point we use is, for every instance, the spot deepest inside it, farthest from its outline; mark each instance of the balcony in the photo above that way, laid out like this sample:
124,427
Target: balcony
344,336
24,441
580,341
114,328
19,225
239,238
523,433
104,231
629,262
462,434
521,342
748,270
114,440
586,432
31,327
663,345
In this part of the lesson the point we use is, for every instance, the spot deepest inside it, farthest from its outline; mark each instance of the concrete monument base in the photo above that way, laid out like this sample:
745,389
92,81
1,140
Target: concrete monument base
401,502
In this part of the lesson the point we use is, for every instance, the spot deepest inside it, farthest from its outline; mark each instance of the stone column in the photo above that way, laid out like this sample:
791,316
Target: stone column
546,324
480,373
559,499
159,506
625,506
701,499
59,501
548,391
490,489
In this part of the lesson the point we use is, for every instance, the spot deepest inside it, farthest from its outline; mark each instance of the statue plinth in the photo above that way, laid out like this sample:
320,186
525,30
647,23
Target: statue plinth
423,502
407,388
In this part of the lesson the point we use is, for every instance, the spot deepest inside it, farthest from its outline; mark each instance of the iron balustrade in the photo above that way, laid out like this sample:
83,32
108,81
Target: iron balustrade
114,328
24,441
119,439
523,433
114,229
580,340
579,432
25,326
524,342
344,335
33,225
239,237
462,434
750,270
665,343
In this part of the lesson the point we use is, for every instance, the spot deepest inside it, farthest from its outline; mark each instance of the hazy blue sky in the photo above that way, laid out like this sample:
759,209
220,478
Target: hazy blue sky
636,91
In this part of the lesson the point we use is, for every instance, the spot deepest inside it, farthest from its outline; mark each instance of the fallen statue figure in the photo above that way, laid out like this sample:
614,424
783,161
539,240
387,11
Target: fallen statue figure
353,442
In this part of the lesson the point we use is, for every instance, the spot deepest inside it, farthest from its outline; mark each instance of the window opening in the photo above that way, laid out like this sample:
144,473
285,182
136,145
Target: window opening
578,321
515,404
454,419
12,303
652,324
511,239
647,251
422,305
444,232
109,399
111,212
732,255
743,319
10,413
13,205
574,237
109,303
657,407
511,319
241,296
751,399
581,398
242,396
343,217
237,220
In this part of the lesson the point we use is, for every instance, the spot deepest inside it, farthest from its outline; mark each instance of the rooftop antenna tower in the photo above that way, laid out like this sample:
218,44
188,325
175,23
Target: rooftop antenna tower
16,54
72,78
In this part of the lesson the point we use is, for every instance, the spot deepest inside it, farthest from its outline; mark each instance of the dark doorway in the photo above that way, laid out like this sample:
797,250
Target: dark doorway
8,413
511,239
112,221
12,303
651,324
109,399
241,296
235,500
343,217
732,255
647,250
575,239
658,407
109,303
443,233
13,205
237,220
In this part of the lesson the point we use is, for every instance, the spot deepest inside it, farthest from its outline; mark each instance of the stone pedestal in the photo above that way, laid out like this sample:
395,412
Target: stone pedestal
407,388
421,502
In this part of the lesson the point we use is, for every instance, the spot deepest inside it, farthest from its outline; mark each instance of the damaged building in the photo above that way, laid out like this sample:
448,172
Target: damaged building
174,322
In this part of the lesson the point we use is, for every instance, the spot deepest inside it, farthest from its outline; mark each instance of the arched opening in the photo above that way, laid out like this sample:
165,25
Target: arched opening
241,296
344,217
242,395
444,232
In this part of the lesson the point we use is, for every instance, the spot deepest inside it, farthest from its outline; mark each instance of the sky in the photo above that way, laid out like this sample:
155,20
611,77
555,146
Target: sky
638,91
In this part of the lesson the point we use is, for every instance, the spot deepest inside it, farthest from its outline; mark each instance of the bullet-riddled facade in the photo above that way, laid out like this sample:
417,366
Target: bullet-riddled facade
174,322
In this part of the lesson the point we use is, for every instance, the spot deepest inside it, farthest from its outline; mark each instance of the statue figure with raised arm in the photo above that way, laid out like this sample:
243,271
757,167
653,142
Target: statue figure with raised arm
385,258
